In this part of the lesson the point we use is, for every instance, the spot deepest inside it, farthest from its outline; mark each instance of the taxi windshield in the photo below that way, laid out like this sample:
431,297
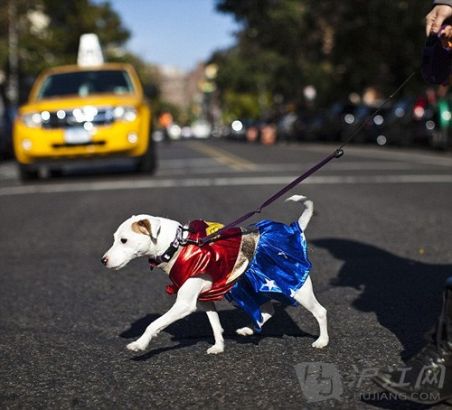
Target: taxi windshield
84,83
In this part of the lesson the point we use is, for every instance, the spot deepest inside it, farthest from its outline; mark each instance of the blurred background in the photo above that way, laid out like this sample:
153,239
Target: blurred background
267,71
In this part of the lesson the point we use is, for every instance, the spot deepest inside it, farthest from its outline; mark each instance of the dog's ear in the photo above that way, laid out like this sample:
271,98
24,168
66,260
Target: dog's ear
146,227
155,227
142,226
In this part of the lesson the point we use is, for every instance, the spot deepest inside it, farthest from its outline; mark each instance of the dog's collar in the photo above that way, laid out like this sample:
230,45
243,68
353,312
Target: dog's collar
178,241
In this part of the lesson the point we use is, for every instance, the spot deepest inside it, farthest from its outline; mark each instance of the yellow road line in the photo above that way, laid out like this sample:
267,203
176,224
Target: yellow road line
223,157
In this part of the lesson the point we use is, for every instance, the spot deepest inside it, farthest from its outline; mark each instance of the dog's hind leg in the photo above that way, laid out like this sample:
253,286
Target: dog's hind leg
305,296
267,312
214,321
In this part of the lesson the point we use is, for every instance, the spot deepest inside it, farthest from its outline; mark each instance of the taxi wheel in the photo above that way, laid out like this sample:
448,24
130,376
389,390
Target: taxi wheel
28,173
148,162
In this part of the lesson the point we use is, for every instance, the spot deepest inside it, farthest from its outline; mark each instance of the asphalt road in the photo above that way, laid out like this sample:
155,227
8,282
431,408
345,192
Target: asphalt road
380,244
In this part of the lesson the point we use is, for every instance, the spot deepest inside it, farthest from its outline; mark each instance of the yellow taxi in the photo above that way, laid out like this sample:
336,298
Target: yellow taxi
82,113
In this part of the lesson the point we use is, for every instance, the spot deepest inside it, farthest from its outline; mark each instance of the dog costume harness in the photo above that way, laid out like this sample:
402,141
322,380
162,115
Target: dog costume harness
216,259
279,266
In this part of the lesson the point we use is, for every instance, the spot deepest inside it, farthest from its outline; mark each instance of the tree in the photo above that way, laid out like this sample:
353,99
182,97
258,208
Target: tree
49,32
284,45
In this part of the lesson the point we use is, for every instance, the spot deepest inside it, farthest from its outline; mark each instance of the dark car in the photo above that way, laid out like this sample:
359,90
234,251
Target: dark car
244,130
441,124
236,130
405,122
418,120
339,119
286,127
361,122
309,125
6,121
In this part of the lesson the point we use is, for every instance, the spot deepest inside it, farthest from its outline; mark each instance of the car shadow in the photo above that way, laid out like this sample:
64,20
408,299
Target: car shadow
196,328
404,294
117,169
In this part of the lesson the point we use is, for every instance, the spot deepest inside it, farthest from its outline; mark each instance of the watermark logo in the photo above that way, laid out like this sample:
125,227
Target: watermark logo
319,381
322,381
433,375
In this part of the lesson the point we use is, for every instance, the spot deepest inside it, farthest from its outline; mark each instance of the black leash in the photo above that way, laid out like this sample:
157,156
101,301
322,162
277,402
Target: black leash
336,154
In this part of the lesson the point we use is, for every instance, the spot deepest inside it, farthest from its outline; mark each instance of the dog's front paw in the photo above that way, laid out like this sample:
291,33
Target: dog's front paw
215,349
245,331
320,342
137,346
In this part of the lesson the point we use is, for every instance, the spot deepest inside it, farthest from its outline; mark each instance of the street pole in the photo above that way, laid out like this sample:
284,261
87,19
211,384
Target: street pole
13,56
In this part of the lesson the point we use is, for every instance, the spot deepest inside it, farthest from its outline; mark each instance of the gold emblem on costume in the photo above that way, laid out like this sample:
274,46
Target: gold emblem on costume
213,227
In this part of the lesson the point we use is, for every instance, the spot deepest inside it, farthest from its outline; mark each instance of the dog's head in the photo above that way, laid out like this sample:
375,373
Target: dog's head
135,237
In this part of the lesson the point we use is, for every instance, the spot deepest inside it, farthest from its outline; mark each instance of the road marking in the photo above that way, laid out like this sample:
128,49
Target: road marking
213,182
205,166
165,163
8,171
286,168
386,154
223,157
337,166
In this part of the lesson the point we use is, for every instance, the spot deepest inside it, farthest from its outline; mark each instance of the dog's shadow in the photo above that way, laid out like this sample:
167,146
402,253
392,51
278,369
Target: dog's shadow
404,294
196,328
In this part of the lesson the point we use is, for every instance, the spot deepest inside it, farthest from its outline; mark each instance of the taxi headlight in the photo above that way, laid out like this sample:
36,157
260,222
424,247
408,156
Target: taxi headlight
125,113
32,119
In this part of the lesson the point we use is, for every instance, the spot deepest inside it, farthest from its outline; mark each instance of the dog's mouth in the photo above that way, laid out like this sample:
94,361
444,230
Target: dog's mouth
152,263
120,266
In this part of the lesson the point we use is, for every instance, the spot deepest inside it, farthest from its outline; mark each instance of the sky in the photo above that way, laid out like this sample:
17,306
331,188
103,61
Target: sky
178,33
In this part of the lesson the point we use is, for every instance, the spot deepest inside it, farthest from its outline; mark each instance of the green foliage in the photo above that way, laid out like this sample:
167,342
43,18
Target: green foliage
49,32
243,105
339,47
58,41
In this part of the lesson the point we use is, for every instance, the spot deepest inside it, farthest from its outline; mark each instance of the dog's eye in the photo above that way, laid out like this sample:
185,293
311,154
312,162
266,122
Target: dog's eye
123,240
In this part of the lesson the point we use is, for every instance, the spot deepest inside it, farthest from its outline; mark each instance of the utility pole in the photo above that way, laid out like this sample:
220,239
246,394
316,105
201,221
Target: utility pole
13,56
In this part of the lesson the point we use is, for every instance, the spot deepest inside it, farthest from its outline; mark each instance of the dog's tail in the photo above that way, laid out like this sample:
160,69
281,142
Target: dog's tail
306,216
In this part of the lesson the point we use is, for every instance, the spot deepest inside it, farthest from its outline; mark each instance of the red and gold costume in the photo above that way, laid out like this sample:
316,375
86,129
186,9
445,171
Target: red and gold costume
217,259
278,269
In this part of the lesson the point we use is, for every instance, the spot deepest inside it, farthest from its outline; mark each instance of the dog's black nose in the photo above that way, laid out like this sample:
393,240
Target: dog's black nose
104,260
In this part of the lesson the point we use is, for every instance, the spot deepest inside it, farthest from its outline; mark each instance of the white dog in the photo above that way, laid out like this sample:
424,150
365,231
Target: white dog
249,267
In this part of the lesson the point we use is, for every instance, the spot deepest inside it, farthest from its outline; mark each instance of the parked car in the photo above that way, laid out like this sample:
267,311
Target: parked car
236,130
420,120
373,120
441,124
410,121
6,145
338,121
286,127
201,129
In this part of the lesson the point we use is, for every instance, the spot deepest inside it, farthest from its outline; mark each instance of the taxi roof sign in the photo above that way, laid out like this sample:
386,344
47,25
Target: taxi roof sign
89,51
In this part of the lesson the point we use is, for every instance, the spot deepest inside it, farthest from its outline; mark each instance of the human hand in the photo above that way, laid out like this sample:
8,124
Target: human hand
435,19
446,37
